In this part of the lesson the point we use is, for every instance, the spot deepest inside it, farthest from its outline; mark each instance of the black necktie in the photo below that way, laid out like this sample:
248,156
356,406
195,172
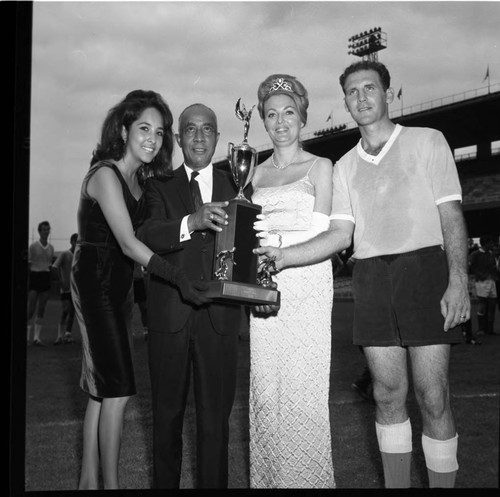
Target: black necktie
195,191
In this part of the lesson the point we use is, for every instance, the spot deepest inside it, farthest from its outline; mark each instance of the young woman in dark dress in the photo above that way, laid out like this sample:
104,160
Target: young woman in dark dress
136,143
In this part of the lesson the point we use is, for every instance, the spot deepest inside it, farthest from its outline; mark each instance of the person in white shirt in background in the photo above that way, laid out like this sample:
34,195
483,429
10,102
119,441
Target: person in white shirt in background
40,259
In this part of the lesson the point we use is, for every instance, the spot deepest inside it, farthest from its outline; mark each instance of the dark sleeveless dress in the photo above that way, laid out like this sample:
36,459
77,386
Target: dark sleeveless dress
101,286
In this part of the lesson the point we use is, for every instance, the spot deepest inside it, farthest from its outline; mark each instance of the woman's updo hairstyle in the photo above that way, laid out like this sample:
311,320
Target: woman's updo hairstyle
286,85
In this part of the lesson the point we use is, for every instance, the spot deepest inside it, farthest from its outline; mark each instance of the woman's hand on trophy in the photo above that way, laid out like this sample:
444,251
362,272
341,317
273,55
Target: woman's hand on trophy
262,228
209,216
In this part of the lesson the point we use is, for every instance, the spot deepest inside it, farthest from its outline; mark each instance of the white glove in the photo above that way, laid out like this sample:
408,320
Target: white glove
266,237
262,225
319,222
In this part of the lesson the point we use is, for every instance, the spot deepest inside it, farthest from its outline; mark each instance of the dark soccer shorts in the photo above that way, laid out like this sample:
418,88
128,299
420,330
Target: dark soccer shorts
397,300
66,296
39,281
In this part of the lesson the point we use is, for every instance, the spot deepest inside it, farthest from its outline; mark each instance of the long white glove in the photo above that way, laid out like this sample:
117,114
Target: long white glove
261,226
266,238
319,222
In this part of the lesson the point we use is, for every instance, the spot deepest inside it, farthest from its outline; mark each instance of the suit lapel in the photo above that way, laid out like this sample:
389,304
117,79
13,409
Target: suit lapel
221,189
182,189
248,191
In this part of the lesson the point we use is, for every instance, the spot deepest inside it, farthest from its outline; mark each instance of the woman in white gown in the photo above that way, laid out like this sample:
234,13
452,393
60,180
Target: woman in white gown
290,445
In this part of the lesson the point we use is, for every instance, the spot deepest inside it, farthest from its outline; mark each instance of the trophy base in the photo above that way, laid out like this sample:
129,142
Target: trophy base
239,235
242,293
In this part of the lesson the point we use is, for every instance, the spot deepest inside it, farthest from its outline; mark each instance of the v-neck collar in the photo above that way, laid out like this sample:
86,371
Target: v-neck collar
45,247
375,159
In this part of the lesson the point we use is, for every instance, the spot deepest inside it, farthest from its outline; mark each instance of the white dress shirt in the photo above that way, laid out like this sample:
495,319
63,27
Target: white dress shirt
205,182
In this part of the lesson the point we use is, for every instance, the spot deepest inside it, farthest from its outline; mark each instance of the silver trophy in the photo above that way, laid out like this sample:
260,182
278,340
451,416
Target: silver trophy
242,158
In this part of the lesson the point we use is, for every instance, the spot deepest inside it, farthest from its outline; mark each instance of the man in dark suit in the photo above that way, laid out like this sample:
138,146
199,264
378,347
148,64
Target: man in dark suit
180,334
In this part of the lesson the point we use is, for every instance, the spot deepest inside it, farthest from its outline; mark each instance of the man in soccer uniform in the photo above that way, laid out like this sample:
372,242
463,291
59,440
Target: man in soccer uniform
40,259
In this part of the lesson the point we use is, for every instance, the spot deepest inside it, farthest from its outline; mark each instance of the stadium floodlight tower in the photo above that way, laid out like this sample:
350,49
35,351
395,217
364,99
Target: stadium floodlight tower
368,43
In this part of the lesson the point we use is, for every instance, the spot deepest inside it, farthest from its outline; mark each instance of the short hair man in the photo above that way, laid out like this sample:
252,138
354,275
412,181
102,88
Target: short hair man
397,195
40,259
181,336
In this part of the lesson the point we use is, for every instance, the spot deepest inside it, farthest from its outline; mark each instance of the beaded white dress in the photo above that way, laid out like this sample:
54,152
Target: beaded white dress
290,442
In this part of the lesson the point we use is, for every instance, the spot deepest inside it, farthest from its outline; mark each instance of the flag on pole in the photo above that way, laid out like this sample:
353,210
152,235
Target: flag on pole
487,73
400,93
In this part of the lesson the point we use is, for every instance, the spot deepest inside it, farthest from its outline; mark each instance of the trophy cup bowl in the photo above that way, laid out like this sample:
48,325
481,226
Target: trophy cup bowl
242,160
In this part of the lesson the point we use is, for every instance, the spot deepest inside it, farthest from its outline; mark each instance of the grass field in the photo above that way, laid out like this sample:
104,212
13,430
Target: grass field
55,408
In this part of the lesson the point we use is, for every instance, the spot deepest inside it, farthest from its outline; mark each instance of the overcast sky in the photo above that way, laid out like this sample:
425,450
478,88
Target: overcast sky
88,55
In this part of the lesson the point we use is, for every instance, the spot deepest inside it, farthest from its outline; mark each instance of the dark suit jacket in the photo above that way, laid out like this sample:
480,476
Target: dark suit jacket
168,201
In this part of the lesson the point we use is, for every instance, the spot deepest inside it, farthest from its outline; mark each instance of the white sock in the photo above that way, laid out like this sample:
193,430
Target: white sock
395,438
38,329
395,444
440,455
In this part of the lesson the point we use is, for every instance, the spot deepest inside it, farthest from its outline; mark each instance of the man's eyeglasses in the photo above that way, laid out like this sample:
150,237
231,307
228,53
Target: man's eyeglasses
205,129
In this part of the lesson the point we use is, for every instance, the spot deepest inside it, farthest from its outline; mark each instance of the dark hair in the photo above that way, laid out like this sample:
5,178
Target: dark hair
125,113
485,239
43,223
74,236
271,86
367,65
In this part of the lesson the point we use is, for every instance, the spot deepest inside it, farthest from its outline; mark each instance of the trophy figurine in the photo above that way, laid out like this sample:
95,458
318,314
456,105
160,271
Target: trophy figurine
237,274
242,159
